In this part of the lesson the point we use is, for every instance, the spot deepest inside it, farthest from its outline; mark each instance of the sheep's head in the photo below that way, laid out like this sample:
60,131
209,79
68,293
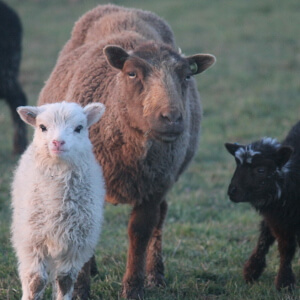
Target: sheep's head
260,169
154,87
61,129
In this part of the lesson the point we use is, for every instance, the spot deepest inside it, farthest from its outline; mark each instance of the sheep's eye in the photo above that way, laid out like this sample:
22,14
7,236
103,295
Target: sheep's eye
43,128
188,77
261,170
132,75
78,128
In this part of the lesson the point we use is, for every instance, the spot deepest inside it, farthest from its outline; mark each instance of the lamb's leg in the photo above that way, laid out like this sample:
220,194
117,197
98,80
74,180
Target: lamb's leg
155,265
15,97
65,285
34,279
257,261
141,224
287,247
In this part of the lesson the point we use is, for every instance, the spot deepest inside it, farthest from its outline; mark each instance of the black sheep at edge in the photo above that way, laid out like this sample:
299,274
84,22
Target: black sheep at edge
10,58
268,177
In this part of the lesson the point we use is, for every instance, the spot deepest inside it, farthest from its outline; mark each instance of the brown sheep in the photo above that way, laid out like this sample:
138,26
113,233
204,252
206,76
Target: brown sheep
127,59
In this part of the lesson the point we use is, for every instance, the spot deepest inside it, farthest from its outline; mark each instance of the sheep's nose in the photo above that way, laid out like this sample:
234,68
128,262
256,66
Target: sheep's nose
171,116
58,143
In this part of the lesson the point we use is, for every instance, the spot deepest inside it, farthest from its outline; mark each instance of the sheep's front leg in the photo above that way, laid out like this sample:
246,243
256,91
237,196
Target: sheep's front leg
155,265
141,224
287,247
257,261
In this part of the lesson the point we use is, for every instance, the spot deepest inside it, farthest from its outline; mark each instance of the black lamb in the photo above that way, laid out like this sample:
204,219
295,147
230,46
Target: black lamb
267,175
10,57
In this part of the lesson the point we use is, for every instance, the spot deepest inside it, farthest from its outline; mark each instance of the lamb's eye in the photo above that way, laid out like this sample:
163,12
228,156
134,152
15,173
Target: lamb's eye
261,170
78,128
43,127
188,77
132,75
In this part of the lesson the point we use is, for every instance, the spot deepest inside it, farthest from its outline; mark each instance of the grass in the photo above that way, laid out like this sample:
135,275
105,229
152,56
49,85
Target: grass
252,91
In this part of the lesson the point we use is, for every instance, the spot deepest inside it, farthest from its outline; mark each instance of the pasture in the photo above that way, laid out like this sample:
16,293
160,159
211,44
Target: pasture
251,92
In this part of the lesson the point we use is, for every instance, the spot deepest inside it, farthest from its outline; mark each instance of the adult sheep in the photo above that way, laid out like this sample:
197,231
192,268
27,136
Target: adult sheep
127,59
10,58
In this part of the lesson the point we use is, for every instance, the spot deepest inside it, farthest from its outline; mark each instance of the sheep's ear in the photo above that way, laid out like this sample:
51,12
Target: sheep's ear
28,114
232,148
200,62
94,112
116,56
283,155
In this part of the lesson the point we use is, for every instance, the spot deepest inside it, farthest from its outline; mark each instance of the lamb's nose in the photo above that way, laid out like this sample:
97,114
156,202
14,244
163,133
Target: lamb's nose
232,190
58,143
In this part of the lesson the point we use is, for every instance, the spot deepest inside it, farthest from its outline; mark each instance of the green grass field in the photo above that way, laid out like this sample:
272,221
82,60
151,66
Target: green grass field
251,92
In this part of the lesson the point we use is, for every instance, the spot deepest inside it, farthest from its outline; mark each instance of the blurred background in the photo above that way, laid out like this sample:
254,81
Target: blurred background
252,91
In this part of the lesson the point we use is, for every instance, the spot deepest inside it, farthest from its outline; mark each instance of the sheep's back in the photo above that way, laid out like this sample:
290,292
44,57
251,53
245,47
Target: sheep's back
106,21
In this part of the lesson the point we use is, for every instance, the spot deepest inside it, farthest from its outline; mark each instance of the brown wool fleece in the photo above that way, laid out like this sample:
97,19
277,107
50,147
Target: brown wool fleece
127,59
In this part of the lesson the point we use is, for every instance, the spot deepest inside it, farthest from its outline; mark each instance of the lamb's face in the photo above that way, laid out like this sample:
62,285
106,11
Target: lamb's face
61,129
62,133
259,172
254,181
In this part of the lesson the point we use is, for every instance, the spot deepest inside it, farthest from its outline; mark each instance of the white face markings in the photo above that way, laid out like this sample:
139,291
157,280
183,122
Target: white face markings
245,154
278,190
270,141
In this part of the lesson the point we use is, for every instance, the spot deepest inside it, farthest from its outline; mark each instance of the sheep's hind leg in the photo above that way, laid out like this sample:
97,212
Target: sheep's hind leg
257,261
155,265
287,247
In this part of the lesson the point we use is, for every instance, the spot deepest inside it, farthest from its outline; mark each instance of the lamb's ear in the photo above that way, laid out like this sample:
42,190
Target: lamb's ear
116,56
232,148
283,155
200,62
94,112
28,114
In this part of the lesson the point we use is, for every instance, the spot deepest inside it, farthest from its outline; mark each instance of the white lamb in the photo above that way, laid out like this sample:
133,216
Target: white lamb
57,198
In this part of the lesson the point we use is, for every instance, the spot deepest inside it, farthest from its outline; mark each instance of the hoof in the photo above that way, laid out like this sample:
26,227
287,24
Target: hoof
129,292
285,281
253,269
156,280
249,277
80,294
